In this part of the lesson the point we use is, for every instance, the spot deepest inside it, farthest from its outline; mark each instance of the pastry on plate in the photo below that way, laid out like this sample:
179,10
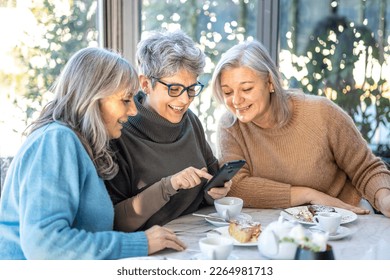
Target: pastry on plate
307,213
244,231
304,215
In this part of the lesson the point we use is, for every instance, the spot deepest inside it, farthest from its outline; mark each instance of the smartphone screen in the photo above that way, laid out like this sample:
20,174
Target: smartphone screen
225,173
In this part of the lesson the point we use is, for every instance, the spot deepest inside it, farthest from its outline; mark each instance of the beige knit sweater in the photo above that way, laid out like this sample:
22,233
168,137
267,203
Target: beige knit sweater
320,148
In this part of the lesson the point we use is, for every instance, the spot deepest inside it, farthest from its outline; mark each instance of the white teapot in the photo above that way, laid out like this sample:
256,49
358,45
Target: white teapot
280,239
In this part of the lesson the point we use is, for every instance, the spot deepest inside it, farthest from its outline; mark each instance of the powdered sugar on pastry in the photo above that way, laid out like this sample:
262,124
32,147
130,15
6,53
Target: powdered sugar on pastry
244,231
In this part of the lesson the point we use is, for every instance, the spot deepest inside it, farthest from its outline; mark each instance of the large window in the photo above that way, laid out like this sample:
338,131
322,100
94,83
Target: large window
37,38
341,50
338,49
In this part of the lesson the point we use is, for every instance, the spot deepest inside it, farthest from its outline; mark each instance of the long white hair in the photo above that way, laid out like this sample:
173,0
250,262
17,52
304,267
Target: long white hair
90,75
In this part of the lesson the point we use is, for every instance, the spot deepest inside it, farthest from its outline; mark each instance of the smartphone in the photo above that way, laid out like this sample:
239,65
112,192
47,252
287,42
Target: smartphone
224,174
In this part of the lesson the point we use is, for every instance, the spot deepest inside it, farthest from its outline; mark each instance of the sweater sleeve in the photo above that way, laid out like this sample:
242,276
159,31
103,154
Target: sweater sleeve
257,192
133,212
53,175
134,207
352,154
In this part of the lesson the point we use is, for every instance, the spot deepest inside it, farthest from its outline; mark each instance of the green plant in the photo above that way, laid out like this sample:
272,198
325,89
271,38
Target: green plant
342,60
41,56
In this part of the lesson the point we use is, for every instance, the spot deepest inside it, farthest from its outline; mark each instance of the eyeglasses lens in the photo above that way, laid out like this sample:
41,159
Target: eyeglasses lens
193,90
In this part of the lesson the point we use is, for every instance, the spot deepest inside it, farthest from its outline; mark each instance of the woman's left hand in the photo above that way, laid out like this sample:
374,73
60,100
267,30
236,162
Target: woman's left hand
160,238
217,193
304,195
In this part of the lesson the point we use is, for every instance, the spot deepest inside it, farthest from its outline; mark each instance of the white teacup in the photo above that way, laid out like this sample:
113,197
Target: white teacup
216,248
328,221
228,207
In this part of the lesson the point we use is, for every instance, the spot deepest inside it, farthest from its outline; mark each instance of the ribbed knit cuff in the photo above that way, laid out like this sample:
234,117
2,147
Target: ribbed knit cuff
134,244
375,184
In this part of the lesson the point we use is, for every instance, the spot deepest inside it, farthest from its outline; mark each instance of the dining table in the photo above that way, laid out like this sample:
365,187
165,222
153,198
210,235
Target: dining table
368,238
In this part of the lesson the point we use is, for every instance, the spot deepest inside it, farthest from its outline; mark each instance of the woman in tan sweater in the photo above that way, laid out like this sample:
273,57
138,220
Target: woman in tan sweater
299,149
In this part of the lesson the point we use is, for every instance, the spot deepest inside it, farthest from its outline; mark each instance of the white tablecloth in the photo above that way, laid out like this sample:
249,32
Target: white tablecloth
369,238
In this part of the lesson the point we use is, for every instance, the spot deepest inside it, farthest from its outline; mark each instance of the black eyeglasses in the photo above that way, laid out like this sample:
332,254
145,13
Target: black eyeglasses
175,90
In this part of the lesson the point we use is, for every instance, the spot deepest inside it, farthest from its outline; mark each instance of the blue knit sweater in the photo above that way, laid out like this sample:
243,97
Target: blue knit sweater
55,206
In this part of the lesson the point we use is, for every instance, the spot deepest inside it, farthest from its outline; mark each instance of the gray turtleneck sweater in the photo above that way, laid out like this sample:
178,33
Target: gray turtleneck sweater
151,150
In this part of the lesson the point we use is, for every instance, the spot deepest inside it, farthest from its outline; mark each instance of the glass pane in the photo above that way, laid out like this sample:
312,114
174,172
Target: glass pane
340,49
216,26
37,38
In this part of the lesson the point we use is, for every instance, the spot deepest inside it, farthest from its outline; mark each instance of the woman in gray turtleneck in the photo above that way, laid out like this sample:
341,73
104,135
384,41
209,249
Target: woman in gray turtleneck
163,155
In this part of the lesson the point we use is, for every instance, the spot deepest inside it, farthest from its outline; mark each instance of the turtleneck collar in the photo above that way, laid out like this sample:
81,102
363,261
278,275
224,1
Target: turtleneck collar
150,125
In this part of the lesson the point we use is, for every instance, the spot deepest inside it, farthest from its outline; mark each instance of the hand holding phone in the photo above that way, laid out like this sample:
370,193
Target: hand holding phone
224,174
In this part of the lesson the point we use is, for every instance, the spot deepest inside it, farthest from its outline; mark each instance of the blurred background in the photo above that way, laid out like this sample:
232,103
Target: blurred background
336,48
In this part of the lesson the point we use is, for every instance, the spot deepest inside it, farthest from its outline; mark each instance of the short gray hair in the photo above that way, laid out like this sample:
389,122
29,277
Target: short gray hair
90,75
164,53
254,55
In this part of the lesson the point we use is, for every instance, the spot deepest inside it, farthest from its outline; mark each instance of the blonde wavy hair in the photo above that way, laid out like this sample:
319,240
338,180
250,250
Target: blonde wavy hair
253,55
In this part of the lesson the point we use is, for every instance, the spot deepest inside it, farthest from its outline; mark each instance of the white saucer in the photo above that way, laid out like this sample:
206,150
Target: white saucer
341,232
290,214
220,223
200,256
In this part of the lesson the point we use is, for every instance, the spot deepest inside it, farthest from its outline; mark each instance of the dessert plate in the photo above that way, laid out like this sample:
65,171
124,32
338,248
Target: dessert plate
225,233
291,213
220,223
341,232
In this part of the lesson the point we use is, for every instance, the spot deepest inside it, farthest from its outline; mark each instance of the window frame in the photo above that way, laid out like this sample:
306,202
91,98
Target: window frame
118,30
122,32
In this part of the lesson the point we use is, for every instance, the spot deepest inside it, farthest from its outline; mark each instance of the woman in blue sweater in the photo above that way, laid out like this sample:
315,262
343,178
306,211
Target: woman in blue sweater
54,204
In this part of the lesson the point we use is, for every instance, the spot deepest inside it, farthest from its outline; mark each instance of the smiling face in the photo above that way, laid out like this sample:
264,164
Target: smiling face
170,108
247,95
115,110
